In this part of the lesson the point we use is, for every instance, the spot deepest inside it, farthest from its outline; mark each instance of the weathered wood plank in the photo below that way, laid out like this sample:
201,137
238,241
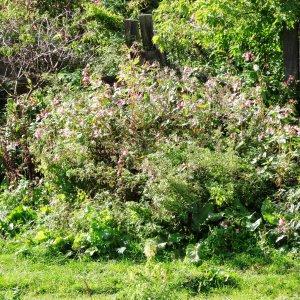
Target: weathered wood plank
291,53
146,24
132,33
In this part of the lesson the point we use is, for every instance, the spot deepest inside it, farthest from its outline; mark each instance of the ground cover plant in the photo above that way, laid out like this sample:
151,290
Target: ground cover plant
173,181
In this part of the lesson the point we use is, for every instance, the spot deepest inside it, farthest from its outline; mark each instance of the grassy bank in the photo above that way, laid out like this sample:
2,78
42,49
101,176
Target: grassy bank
22,278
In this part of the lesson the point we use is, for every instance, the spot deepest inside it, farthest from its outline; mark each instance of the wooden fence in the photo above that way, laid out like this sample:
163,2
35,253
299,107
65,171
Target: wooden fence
143,30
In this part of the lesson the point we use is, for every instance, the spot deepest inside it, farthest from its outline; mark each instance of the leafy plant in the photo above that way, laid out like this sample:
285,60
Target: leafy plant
240,37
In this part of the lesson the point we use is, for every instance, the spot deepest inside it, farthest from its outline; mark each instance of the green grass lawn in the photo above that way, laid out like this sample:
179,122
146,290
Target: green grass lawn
28,279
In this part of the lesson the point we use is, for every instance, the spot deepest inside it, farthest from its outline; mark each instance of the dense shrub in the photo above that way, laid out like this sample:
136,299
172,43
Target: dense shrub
159,161
187,183
154,161
35,46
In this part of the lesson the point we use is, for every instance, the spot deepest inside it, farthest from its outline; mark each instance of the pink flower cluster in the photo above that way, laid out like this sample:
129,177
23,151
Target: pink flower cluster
282,226
248,56
42,115
290,80
38,134
292,130
86,79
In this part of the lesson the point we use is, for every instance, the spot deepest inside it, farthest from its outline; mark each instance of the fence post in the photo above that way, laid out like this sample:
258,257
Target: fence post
291,52
146,23
132,33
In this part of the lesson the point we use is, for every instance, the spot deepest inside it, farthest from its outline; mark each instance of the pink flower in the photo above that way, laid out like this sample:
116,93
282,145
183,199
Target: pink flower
56,101
86,79
270,131
285,112
290,80
121,102
297,130
38,134
56,158
248,103
292,130
248,56
225,224
281,222
66,132
124,152
211,83
180,105
96,133
42,115
282,226
293,101
261,137
61,110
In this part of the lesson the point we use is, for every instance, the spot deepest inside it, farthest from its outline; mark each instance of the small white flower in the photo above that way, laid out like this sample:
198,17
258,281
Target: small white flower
282,140
255,68
121,250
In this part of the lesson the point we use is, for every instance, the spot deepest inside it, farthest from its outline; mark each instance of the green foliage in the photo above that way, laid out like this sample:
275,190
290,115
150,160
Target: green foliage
286,216
15,220
187,178
110,157
238,36
99,13
160,157
232,239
